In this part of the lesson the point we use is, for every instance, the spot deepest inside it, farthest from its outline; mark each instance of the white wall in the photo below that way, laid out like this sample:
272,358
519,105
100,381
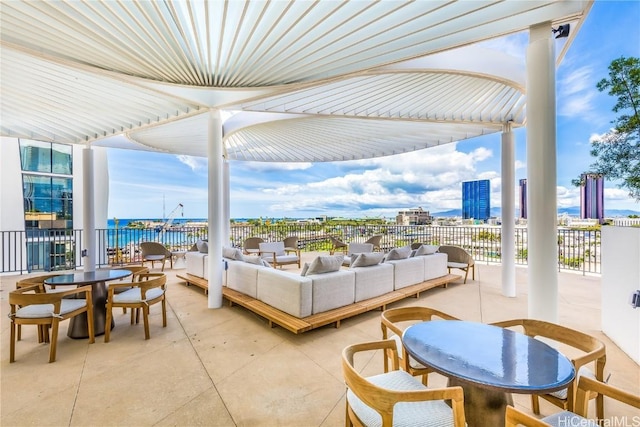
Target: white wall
11,204
620,278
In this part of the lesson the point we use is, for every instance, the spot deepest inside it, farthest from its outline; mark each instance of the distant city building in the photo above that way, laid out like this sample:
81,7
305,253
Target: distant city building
523,199
592,197
414,217
476,200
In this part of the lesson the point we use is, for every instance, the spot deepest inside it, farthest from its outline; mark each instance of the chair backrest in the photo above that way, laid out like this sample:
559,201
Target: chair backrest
587,386
252,243
291,242
589,348
268,248
154,248
135,270
358,248
398,319
383,400
35,280
375,241
457,254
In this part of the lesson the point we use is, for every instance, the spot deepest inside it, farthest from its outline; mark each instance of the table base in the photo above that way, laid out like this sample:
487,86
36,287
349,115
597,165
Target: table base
483,407
78,325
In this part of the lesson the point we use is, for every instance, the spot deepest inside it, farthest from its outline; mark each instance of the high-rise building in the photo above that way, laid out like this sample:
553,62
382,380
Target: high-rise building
592,197
476,200
523,198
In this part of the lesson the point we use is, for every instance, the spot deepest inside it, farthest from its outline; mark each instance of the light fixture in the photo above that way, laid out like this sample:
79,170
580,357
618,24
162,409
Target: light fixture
562,31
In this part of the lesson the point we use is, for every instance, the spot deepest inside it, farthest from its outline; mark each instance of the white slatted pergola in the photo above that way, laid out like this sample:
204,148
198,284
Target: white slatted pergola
313,81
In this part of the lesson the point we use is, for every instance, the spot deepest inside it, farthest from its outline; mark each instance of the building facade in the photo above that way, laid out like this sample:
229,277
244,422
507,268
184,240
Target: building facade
414,217
592,197
523,199
41,203
476,199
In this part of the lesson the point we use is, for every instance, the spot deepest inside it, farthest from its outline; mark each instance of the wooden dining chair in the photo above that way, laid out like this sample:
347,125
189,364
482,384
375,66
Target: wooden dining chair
587,354
580,415
136,271
393,323
31,305
394,397
148,290
43,330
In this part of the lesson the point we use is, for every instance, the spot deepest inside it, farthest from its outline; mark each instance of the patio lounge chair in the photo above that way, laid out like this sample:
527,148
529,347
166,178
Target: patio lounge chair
459,258
375,241
337,245
251,245
154,251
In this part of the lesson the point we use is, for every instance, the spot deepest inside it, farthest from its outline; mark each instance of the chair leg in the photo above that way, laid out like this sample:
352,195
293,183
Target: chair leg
535,404
12,345
466,273
107,323
90,324
145,318
20,333
164,313
54,340
162,265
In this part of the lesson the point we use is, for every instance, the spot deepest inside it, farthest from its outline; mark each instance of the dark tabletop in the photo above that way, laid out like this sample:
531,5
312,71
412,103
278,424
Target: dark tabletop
83,278
488,356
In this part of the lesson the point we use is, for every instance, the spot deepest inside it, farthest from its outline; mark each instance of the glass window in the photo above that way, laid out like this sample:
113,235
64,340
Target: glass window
35,156
61,159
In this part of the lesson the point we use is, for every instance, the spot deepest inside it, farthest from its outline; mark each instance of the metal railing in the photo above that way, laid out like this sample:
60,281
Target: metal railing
46,250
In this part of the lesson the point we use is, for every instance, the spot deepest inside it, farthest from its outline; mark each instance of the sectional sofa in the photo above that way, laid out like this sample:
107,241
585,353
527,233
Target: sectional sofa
324,292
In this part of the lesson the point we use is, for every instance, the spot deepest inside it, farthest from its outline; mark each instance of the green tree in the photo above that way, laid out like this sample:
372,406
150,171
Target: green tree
618,151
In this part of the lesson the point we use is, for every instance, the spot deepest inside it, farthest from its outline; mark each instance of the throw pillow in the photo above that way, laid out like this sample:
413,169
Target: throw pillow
427,250
305,268
199,244
228,252
324,264
367,259
252,259
399,253
204,247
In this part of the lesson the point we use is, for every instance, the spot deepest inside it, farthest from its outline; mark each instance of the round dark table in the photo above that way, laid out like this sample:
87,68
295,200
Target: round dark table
489,363
97,280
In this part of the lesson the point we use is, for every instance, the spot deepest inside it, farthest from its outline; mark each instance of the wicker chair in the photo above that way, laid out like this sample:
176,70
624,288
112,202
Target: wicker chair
337,245
154,251
375,241
461,259
251,245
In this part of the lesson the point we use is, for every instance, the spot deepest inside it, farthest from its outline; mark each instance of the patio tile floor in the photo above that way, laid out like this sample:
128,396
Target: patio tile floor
226,367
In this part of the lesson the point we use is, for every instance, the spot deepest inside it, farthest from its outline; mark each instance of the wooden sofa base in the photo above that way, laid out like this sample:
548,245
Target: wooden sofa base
298,325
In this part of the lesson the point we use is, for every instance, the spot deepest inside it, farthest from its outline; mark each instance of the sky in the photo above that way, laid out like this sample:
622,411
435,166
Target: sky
151,185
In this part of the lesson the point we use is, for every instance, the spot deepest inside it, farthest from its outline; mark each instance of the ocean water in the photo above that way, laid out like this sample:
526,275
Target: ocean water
123,236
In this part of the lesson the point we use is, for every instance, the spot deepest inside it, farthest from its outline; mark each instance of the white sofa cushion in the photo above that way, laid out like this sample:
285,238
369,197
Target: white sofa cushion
285,291
277,247
243,277
434,265
231,253
373,281
332,290
195,263
407,272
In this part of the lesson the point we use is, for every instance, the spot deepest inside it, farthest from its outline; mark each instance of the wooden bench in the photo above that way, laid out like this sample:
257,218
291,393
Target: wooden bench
298,325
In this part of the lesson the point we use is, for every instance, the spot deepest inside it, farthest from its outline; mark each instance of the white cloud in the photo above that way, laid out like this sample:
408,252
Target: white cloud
195,163
576,93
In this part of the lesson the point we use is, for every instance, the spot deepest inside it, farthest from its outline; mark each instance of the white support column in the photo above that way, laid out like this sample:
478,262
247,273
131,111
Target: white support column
216,217
508,213
541,175
226,232
88,211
